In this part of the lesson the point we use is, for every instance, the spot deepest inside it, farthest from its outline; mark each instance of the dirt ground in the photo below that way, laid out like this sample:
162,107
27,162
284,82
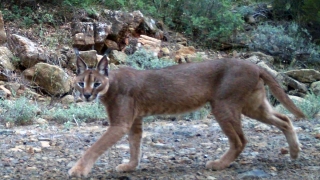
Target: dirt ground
175,149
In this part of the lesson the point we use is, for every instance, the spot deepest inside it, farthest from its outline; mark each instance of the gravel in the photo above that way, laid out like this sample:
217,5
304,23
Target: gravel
171,150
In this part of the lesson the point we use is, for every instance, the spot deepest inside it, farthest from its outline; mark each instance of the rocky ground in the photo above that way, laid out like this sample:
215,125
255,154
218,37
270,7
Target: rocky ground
175,149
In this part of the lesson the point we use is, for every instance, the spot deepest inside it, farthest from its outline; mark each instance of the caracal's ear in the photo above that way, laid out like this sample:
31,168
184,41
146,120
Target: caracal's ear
102,66
81,65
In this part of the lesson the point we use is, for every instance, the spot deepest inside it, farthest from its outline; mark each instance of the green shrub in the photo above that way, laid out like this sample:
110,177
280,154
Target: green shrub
288,9
142,59
311,105
284,41
19,112
312,10
81,113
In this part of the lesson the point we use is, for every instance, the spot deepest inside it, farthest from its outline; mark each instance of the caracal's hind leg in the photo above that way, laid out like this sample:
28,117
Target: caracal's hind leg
261,110
135,135
229,120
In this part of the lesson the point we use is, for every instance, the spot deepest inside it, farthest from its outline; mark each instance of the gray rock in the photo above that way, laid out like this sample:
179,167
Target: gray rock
255,173
304,75
315,87
3,36
32,52
50,78
6,132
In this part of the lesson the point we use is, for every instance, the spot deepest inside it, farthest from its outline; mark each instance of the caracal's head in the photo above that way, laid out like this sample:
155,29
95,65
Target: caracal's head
92,83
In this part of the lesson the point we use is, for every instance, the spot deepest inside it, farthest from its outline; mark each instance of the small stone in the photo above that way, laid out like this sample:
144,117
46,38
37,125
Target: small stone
317,136
32,168
45,143
6,132
256,173
41,121
284,151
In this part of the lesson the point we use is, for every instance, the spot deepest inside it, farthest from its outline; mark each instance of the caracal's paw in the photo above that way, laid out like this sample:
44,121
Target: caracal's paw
216,165
126,167
294,152
79,170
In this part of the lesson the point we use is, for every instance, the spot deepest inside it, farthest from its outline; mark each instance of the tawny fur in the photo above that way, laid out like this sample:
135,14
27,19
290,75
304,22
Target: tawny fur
232,87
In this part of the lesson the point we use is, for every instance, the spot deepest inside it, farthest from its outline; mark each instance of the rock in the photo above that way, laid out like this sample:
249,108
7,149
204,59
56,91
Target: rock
296,85
3,36
89,57
260,57
161,146
5,59
45,144
150,24
262,127
6,67
68,99
304,75
256,173
117,57
165,51
41,121
52,79
184,53
102,30
5,93
29,52
111,44
6,132
87,35
120,20
254,59
83,33
151,44
315,87
284,151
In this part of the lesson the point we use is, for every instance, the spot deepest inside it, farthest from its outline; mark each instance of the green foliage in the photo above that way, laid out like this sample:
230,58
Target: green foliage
287,9
26,16
19,112
301,11
81,113
284,41
87,5
311,9
142,59
311,105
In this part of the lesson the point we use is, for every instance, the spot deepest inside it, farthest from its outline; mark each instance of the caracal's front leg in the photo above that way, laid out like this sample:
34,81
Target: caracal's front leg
109,138
135,136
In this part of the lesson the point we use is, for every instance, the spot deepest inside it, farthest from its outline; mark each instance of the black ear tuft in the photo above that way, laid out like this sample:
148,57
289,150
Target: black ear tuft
102,66
81,65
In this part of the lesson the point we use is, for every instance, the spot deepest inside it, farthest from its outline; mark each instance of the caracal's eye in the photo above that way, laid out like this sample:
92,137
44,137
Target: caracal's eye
81,84
96,84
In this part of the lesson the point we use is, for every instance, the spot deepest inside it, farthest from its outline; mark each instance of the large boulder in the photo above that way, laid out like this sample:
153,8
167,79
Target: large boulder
3,36
117,57
5,63
315,87
184,54
113,24
89,57
52,79
29,52
304,75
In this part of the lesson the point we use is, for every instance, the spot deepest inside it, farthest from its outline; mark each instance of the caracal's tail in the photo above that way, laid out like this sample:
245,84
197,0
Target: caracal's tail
278,92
